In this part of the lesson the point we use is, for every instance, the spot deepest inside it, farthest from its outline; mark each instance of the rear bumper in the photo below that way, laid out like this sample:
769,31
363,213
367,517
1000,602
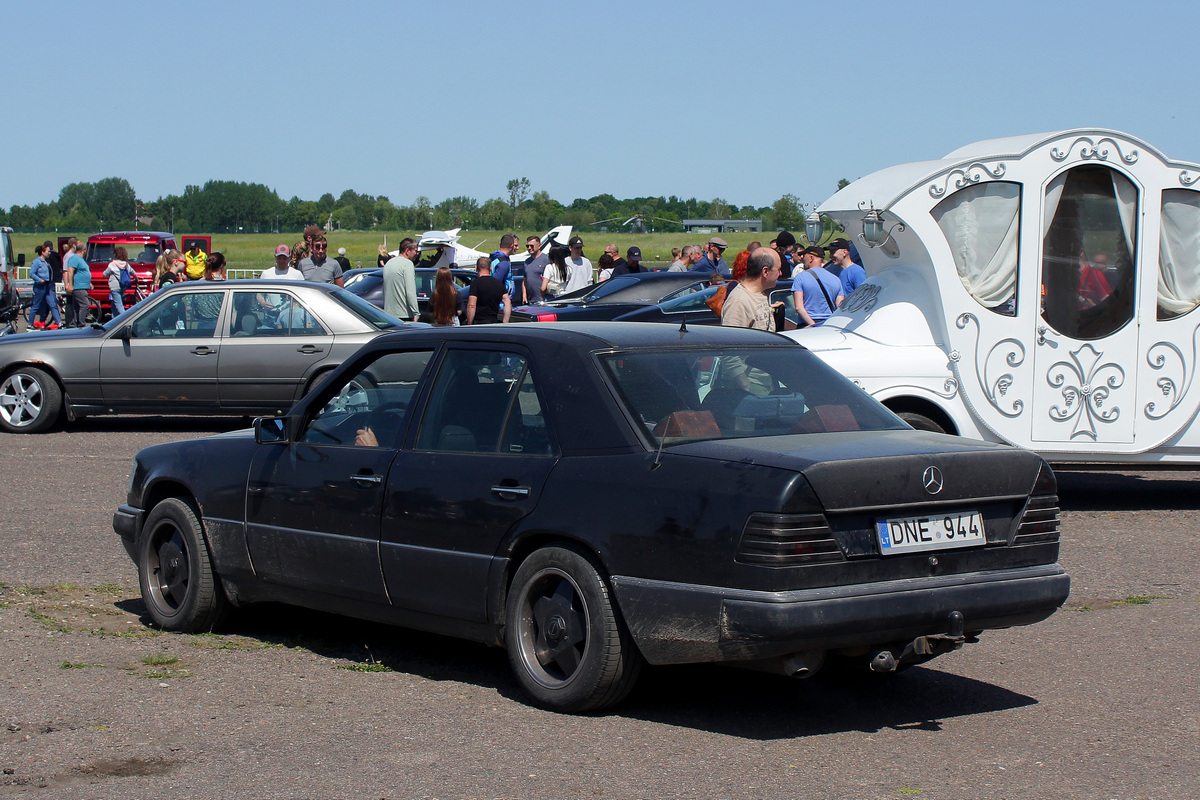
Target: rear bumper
679,623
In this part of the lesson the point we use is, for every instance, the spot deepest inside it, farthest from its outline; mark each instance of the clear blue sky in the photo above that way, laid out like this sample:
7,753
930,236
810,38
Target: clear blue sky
744,101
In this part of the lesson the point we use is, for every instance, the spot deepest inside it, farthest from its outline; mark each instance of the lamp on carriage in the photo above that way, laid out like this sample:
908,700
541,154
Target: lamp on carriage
814,226
873,234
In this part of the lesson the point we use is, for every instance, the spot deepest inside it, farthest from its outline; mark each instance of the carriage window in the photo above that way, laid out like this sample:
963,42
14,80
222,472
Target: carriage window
1088,247
981,224
1179,253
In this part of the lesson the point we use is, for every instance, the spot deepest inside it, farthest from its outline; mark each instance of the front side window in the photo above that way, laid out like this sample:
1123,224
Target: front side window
484,401
370,407
685,395
1088,250
1179,253
271,314
182,315
981,224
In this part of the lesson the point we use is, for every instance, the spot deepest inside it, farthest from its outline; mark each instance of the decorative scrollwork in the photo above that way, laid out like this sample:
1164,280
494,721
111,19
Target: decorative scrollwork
1095,149
1178,372
995,388
966,176
1086,384
1187,178
864,298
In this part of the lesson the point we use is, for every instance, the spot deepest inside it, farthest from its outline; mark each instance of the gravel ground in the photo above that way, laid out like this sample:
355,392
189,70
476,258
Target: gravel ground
1097,702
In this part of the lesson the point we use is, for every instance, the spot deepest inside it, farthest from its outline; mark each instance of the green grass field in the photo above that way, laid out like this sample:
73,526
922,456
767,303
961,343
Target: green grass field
255,251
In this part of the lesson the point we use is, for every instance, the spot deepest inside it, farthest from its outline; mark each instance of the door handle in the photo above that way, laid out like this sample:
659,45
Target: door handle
520,491
203,350
309,349
366,480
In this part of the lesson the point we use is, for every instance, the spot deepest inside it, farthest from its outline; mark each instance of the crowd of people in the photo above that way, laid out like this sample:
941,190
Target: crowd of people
819,286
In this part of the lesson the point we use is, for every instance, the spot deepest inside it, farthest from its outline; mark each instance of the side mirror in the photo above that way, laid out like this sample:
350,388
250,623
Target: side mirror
126,333
271,430
20,259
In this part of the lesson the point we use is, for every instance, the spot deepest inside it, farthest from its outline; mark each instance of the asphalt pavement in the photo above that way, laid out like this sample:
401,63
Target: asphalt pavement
1100,701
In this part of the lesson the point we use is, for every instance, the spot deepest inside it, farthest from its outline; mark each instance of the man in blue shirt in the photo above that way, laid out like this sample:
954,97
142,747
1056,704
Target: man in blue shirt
817,293
81,283
712,261
501,264
844,268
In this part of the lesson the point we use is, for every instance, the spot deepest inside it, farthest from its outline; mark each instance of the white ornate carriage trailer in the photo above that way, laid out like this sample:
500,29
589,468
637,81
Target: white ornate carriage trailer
1037,290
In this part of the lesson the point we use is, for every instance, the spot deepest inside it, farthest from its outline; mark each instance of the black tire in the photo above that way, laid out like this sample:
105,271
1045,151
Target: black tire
179,587
921,422
566,642
30,400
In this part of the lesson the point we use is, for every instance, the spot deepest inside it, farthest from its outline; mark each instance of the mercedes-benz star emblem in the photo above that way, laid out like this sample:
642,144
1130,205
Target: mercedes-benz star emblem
932,480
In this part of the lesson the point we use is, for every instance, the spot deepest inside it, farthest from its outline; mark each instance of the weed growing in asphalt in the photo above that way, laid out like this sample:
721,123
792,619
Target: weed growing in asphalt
48,621
1140,600
66,587
159,661
77,665
372,666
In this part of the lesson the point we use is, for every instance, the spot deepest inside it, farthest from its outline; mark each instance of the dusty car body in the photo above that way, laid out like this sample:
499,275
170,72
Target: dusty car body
228,347
446,480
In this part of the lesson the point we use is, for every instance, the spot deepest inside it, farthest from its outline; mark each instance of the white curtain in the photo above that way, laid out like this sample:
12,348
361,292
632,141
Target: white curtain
1126,194
980,224
1179,252
1053,195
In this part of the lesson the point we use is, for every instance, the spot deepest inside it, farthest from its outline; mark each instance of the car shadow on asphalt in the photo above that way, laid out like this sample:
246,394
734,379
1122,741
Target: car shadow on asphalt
200,425
724,700
1118,491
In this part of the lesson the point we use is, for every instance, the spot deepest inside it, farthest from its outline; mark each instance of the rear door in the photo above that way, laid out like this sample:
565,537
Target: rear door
481,456
272,341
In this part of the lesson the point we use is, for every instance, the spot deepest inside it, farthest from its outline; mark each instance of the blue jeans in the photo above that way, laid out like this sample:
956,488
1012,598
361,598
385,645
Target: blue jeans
43,295
118,302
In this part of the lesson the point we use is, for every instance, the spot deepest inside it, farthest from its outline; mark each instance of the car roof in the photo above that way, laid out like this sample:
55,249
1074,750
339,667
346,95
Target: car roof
598,335
130,236
252,283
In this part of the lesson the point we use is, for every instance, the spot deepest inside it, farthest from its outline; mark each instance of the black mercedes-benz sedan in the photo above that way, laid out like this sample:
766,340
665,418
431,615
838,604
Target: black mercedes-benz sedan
595,497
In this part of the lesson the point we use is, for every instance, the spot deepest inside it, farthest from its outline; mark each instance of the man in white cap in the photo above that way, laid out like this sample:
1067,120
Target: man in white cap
712,261
282,270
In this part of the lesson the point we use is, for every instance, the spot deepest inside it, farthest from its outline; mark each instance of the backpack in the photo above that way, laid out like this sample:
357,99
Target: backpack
125,278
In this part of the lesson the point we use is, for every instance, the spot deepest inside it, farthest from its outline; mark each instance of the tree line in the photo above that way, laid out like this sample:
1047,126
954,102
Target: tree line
236,206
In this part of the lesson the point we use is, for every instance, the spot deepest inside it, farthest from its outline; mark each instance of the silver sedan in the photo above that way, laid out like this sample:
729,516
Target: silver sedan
230,347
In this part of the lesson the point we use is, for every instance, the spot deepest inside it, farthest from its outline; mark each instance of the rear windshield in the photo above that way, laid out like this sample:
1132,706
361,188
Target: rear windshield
687,395
369,313
139,252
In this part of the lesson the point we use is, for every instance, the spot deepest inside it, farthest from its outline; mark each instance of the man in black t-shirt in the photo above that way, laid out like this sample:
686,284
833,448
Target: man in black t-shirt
487,296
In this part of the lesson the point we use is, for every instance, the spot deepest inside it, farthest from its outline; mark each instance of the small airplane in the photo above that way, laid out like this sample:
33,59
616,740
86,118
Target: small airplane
455,255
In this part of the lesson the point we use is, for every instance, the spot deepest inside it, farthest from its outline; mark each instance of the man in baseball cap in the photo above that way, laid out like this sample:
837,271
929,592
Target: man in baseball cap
283,270
579,269
712,261
843,267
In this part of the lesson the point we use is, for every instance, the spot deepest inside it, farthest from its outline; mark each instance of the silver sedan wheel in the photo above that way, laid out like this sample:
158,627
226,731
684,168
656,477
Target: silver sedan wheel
29,401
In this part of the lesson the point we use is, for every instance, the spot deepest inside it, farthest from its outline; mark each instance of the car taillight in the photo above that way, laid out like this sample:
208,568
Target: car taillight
786,540
546,317
1039,522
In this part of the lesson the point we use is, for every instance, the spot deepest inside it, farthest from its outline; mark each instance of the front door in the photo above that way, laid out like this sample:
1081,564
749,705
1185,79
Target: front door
1086,341
313,505
169,359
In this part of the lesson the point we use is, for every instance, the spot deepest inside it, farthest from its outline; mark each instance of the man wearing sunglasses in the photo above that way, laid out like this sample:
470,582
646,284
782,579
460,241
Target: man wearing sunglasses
712,261
319,267
535,269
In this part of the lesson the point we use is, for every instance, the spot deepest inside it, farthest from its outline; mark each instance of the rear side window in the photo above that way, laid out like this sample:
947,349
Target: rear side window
484,401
